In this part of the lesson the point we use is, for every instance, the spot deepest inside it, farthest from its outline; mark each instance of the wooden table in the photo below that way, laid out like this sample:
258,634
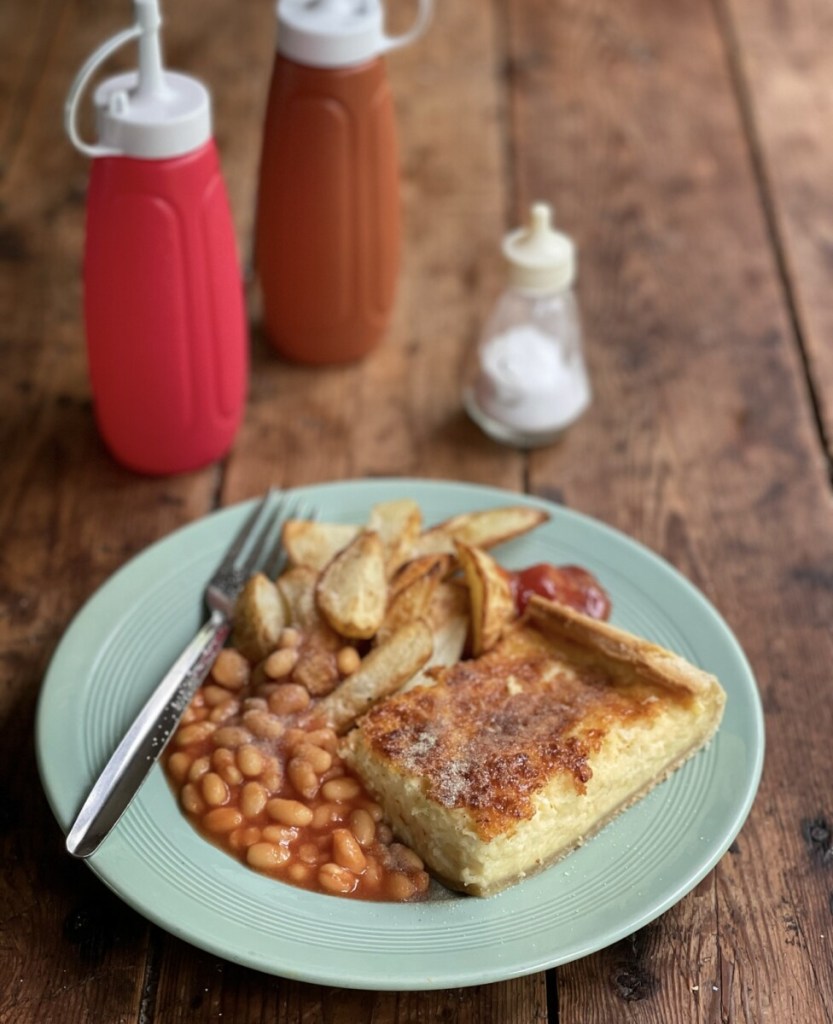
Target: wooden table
686,147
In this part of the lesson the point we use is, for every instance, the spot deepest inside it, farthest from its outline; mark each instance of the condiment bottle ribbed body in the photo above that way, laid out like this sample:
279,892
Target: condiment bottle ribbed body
328,230
164,310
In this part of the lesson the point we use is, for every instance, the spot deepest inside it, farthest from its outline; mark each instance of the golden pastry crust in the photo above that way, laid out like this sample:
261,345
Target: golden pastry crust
513,759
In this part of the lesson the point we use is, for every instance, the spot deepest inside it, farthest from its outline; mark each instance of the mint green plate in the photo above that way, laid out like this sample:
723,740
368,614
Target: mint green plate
641,864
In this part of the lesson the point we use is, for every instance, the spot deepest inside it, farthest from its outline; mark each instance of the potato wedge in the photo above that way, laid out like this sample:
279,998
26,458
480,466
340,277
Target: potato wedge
315,544
492,600
398,524
382,672
259,616
297,587
352,592
411,591
489,527
434,541
449,616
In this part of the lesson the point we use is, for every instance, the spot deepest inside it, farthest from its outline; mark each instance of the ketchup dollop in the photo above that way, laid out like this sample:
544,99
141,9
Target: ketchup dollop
568,584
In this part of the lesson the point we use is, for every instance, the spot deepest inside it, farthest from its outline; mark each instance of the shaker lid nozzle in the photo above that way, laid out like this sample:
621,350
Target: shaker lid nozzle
540,258
150,113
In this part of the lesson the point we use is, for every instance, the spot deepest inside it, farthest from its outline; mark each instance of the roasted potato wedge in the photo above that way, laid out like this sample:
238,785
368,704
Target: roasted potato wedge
489,527
259,616
434,541
297,587
411,592
492,600
382,672
315,544
449,616
398,524
352,592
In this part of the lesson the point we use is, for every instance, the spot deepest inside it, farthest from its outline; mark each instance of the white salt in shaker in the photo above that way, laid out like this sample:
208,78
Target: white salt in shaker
527,380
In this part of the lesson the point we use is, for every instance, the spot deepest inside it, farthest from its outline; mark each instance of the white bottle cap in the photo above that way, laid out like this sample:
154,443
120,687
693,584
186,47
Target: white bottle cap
540,258
150,113
340,33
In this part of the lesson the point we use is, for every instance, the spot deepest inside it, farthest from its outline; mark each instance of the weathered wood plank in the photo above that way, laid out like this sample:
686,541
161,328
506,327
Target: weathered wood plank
784,66
701,443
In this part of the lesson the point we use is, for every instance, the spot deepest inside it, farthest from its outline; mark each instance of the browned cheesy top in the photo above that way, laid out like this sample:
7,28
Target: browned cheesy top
494,731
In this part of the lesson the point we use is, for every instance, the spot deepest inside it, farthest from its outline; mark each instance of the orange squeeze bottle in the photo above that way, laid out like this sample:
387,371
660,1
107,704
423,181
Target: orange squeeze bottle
327,229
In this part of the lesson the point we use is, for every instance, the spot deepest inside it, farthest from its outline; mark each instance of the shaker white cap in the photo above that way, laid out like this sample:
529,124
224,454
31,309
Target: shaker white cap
340,33
540,258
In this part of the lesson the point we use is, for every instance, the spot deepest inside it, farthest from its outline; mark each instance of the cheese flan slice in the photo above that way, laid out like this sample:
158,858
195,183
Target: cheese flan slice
511,760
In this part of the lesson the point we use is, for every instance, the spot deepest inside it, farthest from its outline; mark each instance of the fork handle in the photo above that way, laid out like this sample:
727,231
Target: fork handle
145,740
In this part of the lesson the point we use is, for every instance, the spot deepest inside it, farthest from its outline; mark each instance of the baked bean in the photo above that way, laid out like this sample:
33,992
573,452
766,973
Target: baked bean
404,858
280,663
190,715
250,760
373,873
289,812
348,660
290,637
272,780
191,799
266,856
179,764
320,759
231,736
222,757
280,834
194,733
384,833
298,873
215,792
341,789
363,826
222,819
303,777
421,881
255,704
253,798
336,879
325,737
324,815
399,886
230,669
347,852
231,774
223,712
289,699
243,837
309,853
263,724
373,809
215,695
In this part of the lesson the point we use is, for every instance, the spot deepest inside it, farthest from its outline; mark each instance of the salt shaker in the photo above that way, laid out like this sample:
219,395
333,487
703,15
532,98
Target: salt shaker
527,382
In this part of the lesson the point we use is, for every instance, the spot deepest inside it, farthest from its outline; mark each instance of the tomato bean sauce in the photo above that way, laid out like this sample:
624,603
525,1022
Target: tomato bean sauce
258,776
567,584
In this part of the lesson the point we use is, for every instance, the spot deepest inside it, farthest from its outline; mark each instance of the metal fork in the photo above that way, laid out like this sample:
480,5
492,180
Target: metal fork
254,547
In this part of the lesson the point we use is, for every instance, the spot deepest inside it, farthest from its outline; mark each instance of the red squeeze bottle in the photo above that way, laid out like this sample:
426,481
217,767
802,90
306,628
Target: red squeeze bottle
165,317
327,230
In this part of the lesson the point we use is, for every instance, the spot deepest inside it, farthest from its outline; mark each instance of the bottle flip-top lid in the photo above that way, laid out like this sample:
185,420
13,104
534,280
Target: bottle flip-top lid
340,33
151,112
540,258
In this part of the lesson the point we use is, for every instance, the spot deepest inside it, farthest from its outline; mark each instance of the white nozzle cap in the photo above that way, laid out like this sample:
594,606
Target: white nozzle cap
340,33
540,258
150,113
